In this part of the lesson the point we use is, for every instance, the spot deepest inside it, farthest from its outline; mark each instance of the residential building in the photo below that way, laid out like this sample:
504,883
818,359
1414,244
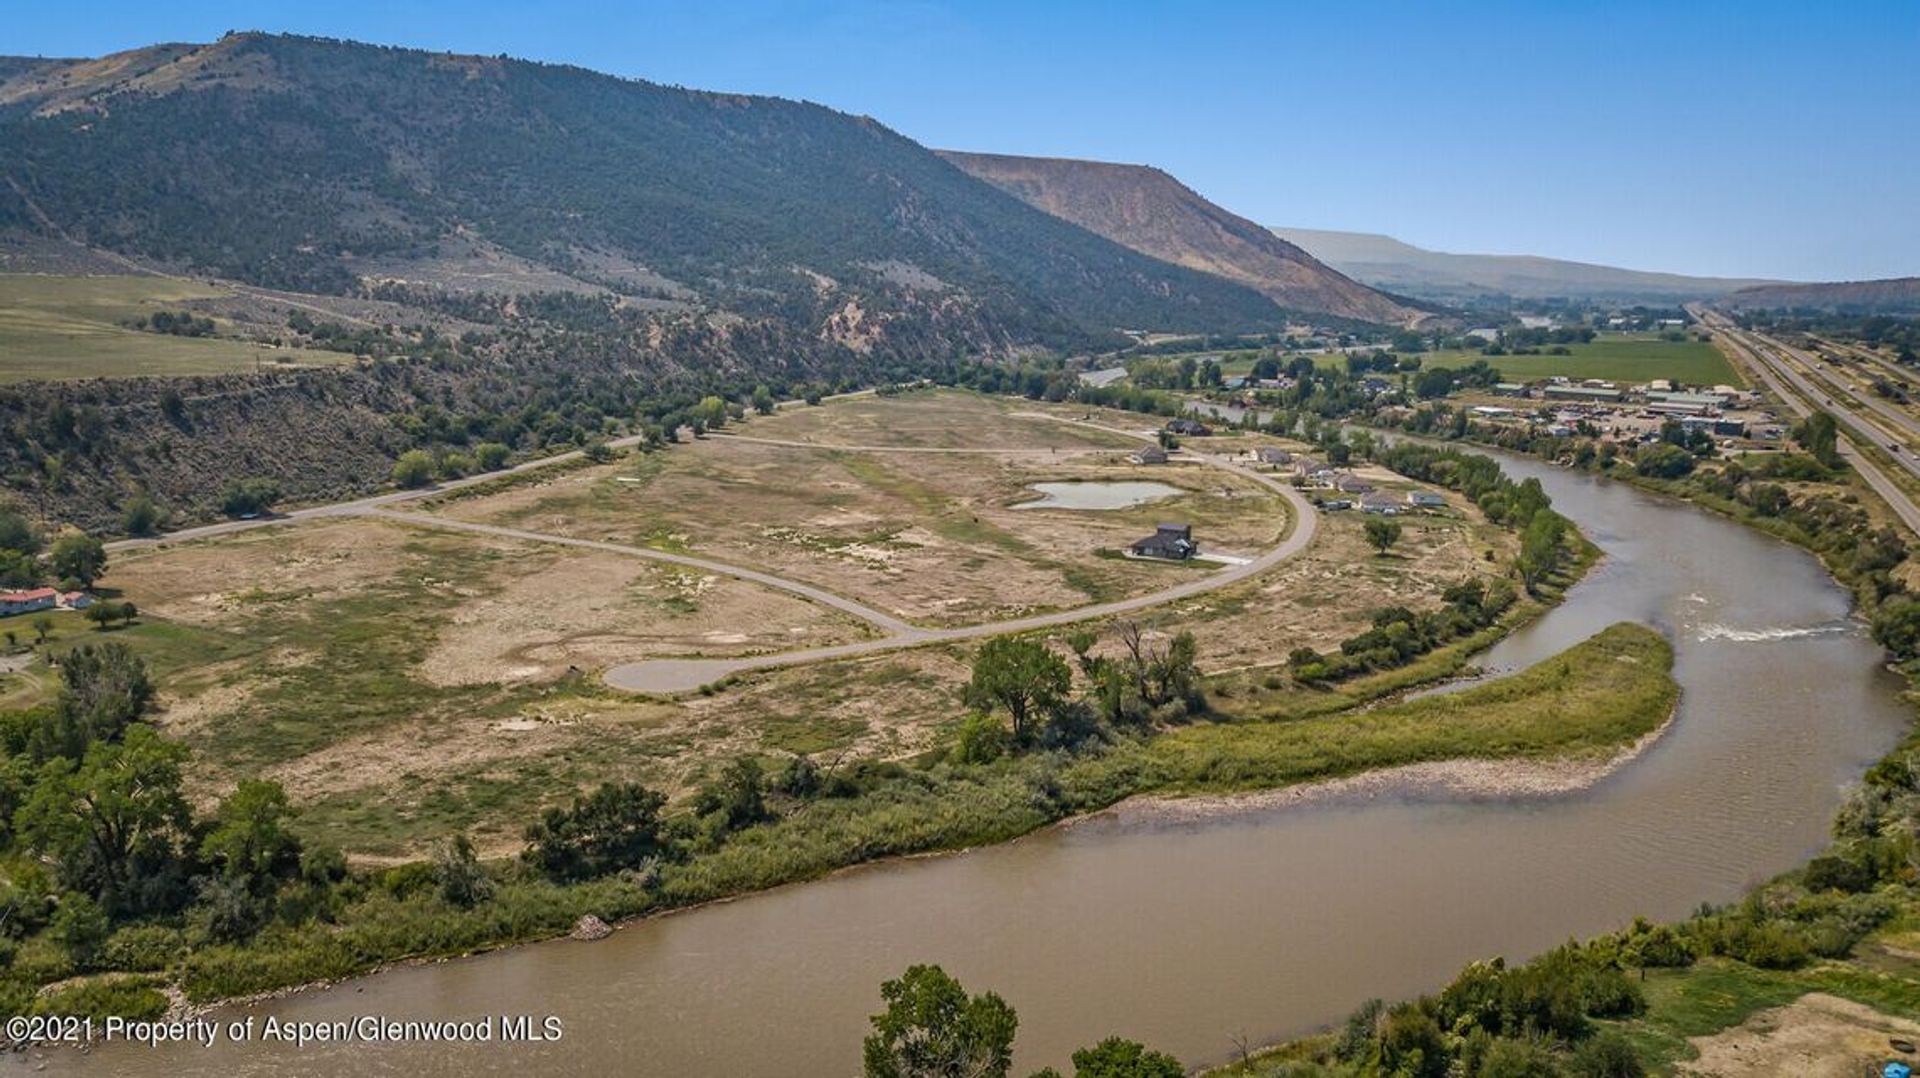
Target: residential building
1148,454
29,601
1170,541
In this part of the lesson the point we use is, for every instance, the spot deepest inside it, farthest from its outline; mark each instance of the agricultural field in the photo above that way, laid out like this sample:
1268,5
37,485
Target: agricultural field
1616,357
64,327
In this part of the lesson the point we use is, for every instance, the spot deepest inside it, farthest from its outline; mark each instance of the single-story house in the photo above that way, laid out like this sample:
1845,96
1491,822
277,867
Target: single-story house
75,600
1171,541
1512,389
1105,377
1384,504
1335,505
26,602
1148,454
1425,499
1305,467
1352,484
1268,454
1192,428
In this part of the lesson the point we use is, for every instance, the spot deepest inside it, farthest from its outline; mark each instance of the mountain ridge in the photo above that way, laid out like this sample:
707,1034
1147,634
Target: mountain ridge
1149,210
1389,263
316,164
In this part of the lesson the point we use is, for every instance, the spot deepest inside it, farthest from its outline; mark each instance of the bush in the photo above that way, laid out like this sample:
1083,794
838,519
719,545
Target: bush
127,997
981,739
415,468
142,948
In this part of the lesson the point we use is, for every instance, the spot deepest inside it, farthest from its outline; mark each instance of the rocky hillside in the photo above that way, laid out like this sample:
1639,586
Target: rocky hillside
327,166
1444,277
1895,296
1155,214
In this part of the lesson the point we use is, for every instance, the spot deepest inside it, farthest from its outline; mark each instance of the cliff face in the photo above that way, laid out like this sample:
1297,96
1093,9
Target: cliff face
1155,214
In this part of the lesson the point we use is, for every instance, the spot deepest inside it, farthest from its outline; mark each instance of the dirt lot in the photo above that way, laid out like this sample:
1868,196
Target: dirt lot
932,537
1816,1036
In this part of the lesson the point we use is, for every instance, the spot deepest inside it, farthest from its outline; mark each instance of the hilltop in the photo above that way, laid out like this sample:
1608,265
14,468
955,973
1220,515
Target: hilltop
1385,262
1896,295
333,167
1155,214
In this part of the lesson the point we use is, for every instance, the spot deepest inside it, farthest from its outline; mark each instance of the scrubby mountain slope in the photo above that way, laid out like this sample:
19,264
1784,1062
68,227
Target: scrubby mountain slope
318,165
1388,263
1896,296
1155,214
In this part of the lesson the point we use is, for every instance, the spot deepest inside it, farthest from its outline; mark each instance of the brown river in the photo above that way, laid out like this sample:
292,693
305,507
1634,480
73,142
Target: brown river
1189,933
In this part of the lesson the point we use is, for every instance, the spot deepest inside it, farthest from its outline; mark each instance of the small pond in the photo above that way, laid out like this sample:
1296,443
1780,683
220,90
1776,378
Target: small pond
1094,495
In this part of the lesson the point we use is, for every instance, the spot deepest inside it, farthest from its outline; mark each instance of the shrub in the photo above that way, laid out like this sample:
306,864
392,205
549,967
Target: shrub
142,948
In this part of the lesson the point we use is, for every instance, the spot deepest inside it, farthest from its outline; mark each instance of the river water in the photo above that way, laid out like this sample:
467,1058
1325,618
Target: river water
1265,923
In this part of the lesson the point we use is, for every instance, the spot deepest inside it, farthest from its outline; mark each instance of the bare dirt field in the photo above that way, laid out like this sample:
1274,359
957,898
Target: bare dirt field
1815,1036
933,537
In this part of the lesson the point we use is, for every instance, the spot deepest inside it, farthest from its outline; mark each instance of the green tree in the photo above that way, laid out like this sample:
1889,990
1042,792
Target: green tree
414,469
615,827
1115,1058
463,880
142,516
110,823
249,842
1663,461
763,400
711,412
980,739
931,1028
249,497
42,626
737,795
78,557
1540,547
16,533
491,456
1023,676
1819,435
1896,626
100,614
1382,534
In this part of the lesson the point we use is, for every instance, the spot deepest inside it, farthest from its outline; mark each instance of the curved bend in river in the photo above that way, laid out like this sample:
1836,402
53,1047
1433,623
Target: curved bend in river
1263,923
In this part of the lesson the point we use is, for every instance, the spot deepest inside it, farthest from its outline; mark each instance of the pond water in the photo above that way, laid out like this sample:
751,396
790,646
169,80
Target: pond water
1097,495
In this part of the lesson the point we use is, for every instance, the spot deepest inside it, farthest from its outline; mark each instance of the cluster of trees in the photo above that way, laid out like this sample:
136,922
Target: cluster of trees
108,850
182,324
1148,680
74,560
1398,635
1187,372
932,1028
1434,382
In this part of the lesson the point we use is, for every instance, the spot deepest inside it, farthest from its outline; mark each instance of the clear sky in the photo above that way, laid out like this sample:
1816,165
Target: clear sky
1750,139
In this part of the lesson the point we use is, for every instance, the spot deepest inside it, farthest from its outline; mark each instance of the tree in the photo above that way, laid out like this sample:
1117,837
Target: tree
491,456
1663,461
738,795
1115,1058
78,557
127,611
931,1028
17,534
981,739
142,516
1023,676
1540,547
1820,436
100,614
1896,626
249,497
413,469
615,827
249,842
1382,534
463,880
110,823
762,400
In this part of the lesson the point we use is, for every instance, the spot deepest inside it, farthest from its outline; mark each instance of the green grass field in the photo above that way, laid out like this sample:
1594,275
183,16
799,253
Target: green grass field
74,327
1619,357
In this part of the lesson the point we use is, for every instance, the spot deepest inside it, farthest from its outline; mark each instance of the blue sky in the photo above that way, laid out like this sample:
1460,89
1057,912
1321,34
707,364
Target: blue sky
1754,138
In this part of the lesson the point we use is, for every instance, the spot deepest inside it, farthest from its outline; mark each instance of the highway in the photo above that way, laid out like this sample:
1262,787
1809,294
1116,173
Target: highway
1764,356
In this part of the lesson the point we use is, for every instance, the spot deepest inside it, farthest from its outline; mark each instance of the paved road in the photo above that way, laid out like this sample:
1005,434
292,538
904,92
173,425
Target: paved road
1801,396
